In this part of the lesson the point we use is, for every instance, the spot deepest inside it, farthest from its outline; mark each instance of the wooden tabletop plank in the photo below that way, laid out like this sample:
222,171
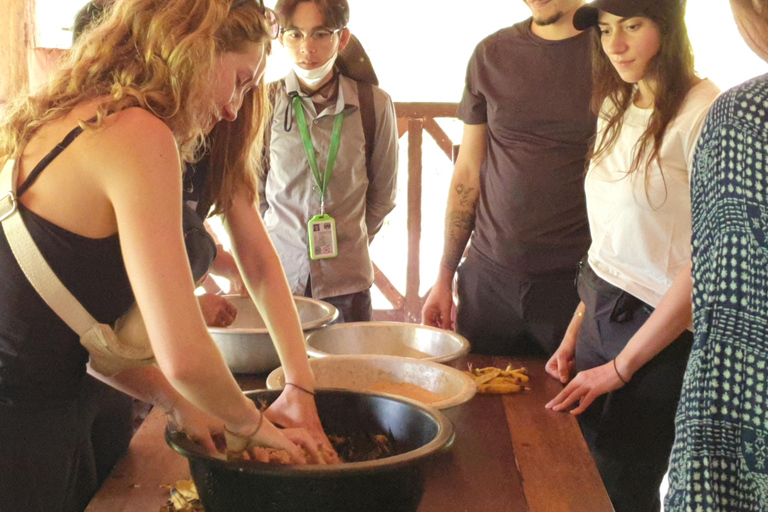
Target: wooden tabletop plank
479,471
550,450
510,454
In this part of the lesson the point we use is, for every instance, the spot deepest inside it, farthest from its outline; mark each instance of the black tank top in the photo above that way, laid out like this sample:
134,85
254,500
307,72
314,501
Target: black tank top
41,359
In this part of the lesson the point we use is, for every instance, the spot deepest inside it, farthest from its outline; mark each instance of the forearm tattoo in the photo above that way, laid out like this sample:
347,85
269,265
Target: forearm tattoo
466,195
459,223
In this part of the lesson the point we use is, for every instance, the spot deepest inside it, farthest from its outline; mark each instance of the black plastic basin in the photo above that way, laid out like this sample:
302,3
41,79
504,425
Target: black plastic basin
393,484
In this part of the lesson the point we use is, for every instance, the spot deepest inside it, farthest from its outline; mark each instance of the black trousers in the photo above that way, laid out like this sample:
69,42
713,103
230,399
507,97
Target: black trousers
55,456
505,316
629,431
353,307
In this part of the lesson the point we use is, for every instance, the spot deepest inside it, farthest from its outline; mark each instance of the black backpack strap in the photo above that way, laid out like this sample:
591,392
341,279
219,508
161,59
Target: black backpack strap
368,116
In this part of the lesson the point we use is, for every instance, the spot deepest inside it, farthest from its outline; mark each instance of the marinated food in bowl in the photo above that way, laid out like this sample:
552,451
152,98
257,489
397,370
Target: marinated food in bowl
394,483
407,390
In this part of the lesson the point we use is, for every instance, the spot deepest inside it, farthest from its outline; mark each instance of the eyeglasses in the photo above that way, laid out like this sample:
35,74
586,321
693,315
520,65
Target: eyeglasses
269,15
321,37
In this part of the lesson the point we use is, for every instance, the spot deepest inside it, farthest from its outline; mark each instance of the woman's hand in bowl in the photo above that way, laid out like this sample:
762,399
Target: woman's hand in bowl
296,407
199,426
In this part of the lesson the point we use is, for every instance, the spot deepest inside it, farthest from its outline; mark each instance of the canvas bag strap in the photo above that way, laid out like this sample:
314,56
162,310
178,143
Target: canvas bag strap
368,117
32,262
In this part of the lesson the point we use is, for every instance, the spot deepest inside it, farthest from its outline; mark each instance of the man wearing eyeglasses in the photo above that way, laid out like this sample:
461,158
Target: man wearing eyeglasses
517,187
332,161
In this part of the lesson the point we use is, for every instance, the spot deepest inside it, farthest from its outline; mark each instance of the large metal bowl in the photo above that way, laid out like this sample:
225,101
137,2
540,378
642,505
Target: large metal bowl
246,344
388,338
393,484
362,372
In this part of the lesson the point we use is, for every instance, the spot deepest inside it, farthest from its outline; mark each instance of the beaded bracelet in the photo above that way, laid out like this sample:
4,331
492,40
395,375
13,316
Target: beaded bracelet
301,388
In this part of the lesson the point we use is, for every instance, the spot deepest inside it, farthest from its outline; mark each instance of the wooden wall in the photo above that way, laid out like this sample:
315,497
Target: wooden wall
16,36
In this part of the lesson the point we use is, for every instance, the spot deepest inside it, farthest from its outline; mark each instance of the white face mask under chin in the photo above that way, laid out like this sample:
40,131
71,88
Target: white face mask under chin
312,77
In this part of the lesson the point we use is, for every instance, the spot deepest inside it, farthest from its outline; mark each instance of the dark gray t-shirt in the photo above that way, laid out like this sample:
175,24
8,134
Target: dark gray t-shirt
533,94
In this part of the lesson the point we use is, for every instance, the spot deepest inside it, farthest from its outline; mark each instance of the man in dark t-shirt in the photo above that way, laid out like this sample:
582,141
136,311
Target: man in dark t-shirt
517,187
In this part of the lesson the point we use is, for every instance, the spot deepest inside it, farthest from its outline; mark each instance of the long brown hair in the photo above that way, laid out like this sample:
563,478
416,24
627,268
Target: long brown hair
235,147
235,154
154,54
672,70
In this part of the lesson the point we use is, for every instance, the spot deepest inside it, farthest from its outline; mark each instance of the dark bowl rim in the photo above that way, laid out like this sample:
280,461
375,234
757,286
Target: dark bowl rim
442,441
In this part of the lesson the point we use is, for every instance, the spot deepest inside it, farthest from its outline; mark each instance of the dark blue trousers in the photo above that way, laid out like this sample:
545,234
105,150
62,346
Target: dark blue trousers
629,431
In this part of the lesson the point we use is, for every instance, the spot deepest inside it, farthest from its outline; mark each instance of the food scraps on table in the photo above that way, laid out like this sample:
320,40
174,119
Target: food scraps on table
184,498
492,380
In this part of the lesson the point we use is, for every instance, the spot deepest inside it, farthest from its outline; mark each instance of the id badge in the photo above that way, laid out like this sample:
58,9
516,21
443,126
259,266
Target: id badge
322,237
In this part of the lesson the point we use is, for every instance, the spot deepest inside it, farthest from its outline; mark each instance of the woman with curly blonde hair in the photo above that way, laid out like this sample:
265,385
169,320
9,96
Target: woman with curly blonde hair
99,152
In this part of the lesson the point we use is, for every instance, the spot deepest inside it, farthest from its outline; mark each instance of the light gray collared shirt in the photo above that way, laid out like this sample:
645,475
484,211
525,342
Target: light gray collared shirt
356,199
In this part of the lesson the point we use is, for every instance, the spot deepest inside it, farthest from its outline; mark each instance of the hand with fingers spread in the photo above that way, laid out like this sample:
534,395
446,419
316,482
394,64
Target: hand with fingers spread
197,425
296,408
297,443
586,387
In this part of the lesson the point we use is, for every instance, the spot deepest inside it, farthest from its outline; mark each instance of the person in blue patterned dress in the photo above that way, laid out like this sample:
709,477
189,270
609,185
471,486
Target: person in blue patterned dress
719,461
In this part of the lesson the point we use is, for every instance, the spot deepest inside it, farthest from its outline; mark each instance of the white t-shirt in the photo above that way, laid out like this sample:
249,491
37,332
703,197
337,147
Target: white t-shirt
641,238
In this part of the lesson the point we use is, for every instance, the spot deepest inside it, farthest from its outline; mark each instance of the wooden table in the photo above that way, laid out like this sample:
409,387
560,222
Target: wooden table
510,454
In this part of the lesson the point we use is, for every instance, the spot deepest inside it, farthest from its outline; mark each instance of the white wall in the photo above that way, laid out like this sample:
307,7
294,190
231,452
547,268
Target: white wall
420,48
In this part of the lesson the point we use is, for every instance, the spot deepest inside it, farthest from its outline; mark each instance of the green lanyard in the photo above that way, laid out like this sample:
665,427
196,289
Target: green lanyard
322,181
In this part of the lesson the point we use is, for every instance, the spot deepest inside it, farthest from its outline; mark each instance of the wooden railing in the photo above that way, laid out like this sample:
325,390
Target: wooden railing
414,119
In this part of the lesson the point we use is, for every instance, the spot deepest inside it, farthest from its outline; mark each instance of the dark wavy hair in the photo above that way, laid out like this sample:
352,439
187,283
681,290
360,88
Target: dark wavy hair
672,70
335,12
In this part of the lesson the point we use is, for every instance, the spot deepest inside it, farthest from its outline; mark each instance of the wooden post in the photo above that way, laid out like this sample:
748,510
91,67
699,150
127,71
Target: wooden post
16,37
414,118
412,298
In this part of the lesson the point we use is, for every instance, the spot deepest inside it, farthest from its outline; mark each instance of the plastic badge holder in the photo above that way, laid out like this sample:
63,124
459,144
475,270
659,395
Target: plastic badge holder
322,237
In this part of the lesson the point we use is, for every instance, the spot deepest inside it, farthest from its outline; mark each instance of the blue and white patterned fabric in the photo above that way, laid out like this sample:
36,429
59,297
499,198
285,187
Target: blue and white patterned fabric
720,457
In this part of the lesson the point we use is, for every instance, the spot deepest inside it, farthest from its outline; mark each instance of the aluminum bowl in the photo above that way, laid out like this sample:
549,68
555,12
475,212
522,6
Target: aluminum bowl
388,338
386,485
246,344
361,372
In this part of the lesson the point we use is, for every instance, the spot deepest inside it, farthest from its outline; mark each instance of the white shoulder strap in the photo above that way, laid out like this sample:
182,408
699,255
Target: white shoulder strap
31,261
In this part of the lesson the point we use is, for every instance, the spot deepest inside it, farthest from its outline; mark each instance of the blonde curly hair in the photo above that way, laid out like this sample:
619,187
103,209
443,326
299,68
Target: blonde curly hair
157,55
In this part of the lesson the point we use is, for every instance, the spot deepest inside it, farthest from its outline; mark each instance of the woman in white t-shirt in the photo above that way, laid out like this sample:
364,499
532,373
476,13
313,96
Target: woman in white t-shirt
629,338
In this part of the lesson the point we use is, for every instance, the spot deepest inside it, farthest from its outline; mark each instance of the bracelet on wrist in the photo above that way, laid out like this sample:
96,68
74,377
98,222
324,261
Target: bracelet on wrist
300,388
618,374
255,431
